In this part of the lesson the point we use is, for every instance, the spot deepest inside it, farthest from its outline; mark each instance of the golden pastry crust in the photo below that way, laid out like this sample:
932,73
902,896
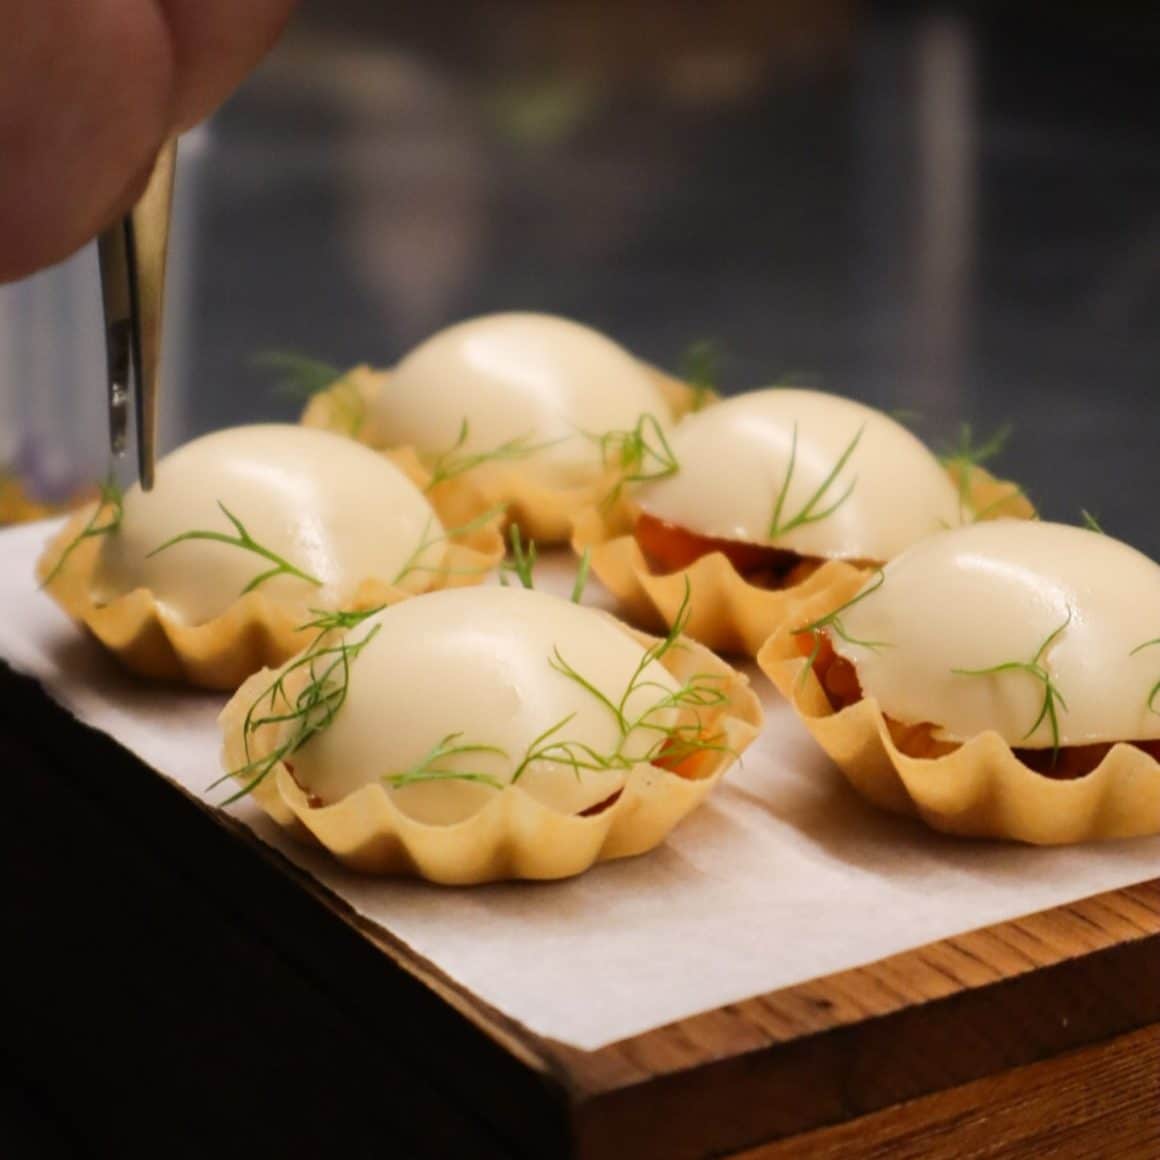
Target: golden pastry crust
728,612
542,511
978,789
256,630
513,835
344,406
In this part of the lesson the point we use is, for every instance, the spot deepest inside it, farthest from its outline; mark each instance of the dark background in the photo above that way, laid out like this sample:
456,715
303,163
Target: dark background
954,212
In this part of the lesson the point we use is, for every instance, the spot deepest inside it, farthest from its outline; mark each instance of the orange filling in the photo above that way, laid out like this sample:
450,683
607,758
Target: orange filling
839,680
671,548
674,756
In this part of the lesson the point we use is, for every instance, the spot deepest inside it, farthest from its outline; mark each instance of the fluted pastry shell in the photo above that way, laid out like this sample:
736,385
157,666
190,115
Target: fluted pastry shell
978,789
726,611
513,835
342,407
542,495
257,629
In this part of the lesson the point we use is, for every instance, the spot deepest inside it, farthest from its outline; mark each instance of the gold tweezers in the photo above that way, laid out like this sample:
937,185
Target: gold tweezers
132,259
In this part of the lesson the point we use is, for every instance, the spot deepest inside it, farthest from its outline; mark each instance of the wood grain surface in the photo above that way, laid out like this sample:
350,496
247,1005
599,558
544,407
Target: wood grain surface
1101,1101
914,1052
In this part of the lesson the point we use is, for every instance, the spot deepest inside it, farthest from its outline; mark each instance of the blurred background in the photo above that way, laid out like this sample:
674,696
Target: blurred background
952,212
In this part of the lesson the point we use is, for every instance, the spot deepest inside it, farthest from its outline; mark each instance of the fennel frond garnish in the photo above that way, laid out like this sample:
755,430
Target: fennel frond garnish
304,377
833,621
520,562
701,369
426,768
313,709
641,454
964,455
1154,692
414,562
1052,698
112,502
810,513
1091,522
670,743
582,572
243,540
455,461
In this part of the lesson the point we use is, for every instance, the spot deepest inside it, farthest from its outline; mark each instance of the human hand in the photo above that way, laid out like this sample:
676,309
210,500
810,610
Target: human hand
90,89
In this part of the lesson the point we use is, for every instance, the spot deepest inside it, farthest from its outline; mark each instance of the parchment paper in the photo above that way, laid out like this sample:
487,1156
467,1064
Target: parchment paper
782,877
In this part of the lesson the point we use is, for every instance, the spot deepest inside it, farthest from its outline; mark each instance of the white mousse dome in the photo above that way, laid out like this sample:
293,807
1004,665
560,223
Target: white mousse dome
993,593
337,511
532,378
475,666
735,458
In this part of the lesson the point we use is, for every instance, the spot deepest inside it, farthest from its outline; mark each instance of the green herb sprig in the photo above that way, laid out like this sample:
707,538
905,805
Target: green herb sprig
1091,522
1053,699
1154,692
701,369
112,501
455,461
833,621
582,572
698,692
243,540
521,559
701,691
426,768
641,454
810,513
327,664
427,540
304,377
965,454
313,709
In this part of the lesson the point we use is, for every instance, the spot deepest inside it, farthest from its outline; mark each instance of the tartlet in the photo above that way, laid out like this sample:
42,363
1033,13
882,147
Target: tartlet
246,534
1000,680
767,498
526,410
485,734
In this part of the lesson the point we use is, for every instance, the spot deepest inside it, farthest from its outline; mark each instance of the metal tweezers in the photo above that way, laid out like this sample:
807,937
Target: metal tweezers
132,259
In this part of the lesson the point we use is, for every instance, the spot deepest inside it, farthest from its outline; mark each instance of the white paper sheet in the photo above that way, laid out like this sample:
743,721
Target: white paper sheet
783,876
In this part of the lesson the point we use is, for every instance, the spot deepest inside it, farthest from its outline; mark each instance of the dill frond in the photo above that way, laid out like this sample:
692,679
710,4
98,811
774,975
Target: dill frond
1154,692
455,461
965,454
112,500
810,513
427,769
582,572
311,711
833,620
1091,522
701,369
304,377
1053,699
414,563
641,454
243,540
520,561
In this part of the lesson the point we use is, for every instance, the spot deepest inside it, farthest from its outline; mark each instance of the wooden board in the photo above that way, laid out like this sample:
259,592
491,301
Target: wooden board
875,1058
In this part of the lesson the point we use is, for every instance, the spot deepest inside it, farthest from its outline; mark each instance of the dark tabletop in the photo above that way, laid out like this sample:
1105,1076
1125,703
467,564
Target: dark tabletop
941,212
